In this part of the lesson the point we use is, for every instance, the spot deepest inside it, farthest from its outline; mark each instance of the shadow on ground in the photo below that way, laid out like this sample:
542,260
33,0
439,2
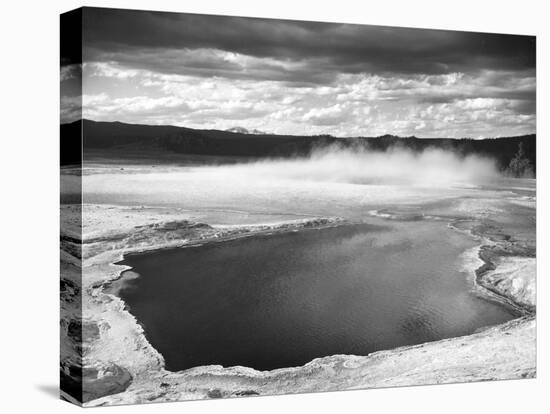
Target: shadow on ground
52,390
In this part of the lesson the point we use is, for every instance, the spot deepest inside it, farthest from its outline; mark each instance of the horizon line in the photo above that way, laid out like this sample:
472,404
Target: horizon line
293,135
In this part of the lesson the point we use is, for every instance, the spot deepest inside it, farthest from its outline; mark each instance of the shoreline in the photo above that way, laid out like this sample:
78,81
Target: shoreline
486,290
145,377
493,249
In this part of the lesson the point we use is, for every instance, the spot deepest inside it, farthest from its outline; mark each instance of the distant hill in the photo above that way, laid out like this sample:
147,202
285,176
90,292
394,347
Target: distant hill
110,139
242,130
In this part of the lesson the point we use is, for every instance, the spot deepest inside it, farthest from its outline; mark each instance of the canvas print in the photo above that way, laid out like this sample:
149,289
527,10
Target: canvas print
252,206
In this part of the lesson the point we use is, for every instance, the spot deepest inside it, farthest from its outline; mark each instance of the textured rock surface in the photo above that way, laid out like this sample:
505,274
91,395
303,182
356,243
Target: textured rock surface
482,356
514,277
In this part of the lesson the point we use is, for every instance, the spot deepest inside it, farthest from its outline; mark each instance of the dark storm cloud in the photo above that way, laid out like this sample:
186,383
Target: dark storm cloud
450,97
135,37
185,62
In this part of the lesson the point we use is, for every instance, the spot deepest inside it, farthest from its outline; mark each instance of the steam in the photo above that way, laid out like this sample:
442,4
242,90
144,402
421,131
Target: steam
432,167
332,181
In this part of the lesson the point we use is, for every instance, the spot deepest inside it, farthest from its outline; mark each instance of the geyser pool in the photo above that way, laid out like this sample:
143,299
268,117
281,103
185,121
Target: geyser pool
282,300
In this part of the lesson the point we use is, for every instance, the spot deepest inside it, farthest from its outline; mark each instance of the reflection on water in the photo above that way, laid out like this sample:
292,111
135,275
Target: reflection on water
281,300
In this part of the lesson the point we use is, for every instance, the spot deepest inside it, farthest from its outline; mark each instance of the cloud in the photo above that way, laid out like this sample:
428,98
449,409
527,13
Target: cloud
136,38
327,115
450,105
70,108
293,77
219,63
70,72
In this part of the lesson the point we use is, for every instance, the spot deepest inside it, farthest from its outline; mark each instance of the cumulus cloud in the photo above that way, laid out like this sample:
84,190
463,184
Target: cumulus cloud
451,105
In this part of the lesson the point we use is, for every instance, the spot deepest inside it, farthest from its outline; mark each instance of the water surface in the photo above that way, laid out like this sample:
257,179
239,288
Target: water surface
281,300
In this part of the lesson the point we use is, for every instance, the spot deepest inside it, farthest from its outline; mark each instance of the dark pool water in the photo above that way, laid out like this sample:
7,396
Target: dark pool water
281,300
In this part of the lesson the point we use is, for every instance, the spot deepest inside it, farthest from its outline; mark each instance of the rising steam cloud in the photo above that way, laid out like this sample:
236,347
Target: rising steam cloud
331,181
432,167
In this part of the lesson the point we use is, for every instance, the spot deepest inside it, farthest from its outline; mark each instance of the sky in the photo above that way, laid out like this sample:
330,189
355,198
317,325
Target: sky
300,78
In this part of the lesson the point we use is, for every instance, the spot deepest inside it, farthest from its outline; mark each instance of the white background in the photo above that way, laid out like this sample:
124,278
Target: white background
29,235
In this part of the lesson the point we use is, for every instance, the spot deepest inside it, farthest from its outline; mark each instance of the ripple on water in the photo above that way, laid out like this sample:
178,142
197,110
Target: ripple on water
285,299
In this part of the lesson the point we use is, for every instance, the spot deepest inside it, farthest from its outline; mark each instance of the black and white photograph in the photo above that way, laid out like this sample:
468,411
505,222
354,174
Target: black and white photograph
262,206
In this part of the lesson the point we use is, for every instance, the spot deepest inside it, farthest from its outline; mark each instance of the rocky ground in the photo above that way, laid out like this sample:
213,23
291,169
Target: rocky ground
108,350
